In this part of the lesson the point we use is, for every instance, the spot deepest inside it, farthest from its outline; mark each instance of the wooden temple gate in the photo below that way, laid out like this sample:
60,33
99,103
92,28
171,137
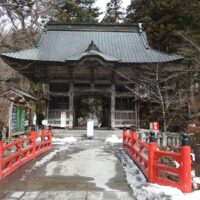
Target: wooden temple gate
86,59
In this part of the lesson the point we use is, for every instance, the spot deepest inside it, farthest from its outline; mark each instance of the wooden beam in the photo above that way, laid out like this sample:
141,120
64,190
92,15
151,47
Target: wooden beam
71,105
113,105
71,97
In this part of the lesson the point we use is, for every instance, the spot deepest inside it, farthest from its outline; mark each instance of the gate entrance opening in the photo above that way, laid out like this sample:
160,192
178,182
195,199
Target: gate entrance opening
92,106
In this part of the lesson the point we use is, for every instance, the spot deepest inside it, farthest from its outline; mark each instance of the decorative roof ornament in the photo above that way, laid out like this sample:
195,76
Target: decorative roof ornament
140,25
92,46
93,50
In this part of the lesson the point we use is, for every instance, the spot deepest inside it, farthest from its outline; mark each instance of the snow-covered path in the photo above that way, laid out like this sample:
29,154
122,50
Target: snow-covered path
85,169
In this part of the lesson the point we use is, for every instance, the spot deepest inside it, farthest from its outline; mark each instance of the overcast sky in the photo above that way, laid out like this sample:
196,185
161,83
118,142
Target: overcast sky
102,4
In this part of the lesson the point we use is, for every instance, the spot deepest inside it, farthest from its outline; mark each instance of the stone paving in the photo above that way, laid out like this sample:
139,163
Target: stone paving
67,195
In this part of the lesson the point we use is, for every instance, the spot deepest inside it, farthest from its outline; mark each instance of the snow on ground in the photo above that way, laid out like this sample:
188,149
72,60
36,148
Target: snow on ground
196,180
94,163
70,140
114,139
62,147
143,190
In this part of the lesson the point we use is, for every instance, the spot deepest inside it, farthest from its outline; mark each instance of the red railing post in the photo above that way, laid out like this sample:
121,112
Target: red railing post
133,137
152,149
19,149
33,140
185,165
50,135
43,131
133,133
1,158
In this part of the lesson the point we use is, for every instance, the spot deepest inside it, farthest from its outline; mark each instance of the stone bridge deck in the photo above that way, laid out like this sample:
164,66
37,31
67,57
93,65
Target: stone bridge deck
87,169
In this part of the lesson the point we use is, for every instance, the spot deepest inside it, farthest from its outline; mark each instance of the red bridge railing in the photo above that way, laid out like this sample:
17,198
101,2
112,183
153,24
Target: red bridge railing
17,153
159,166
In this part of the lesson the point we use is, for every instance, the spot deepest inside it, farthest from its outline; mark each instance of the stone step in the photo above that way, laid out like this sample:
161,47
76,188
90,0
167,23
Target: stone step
69,195
80,134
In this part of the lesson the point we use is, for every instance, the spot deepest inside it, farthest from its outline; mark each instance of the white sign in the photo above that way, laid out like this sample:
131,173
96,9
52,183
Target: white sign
63,119
90,129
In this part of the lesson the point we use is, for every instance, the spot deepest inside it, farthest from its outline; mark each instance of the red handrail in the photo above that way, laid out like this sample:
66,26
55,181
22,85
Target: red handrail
23,152
147,157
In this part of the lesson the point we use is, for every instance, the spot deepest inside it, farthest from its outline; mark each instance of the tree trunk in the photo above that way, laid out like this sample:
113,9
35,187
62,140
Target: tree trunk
164,121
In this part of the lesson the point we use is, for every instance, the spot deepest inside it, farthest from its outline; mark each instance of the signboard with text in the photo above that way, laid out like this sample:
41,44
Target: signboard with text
154,126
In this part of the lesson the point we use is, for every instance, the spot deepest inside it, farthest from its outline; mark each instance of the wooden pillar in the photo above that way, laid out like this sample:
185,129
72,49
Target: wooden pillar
92,78
113,94
71,97
71,105
137,108
113,105
46,92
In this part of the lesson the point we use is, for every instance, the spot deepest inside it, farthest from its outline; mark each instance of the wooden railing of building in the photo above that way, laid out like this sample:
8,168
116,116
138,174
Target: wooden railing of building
54,117
124,118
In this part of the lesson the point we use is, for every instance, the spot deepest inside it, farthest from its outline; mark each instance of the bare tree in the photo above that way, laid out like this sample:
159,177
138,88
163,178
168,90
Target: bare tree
21,21
26,15
162,85
188,40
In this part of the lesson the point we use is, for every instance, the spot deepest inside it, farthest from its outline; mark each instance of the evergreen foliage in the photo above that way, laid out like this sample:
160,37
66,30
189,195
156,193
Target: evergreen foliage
174,26
114,12
162,17
76,11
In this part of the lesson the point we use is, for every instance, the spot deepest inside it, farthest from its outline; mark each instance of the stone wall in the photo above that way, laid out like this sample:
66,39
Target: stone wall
4,112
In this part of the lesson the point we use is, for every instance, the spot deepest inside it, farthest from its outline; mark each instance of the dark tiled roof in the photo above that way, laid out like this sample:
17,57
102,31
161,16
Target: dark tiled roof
124,46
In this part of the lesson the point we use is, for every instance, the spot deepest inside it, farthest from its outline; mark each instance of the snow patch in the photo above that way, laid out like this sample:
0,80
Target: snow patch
193,173
176,164
144,190
48,157
114,139
193,156
70,140
192,196
196,180
38,139
44,160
